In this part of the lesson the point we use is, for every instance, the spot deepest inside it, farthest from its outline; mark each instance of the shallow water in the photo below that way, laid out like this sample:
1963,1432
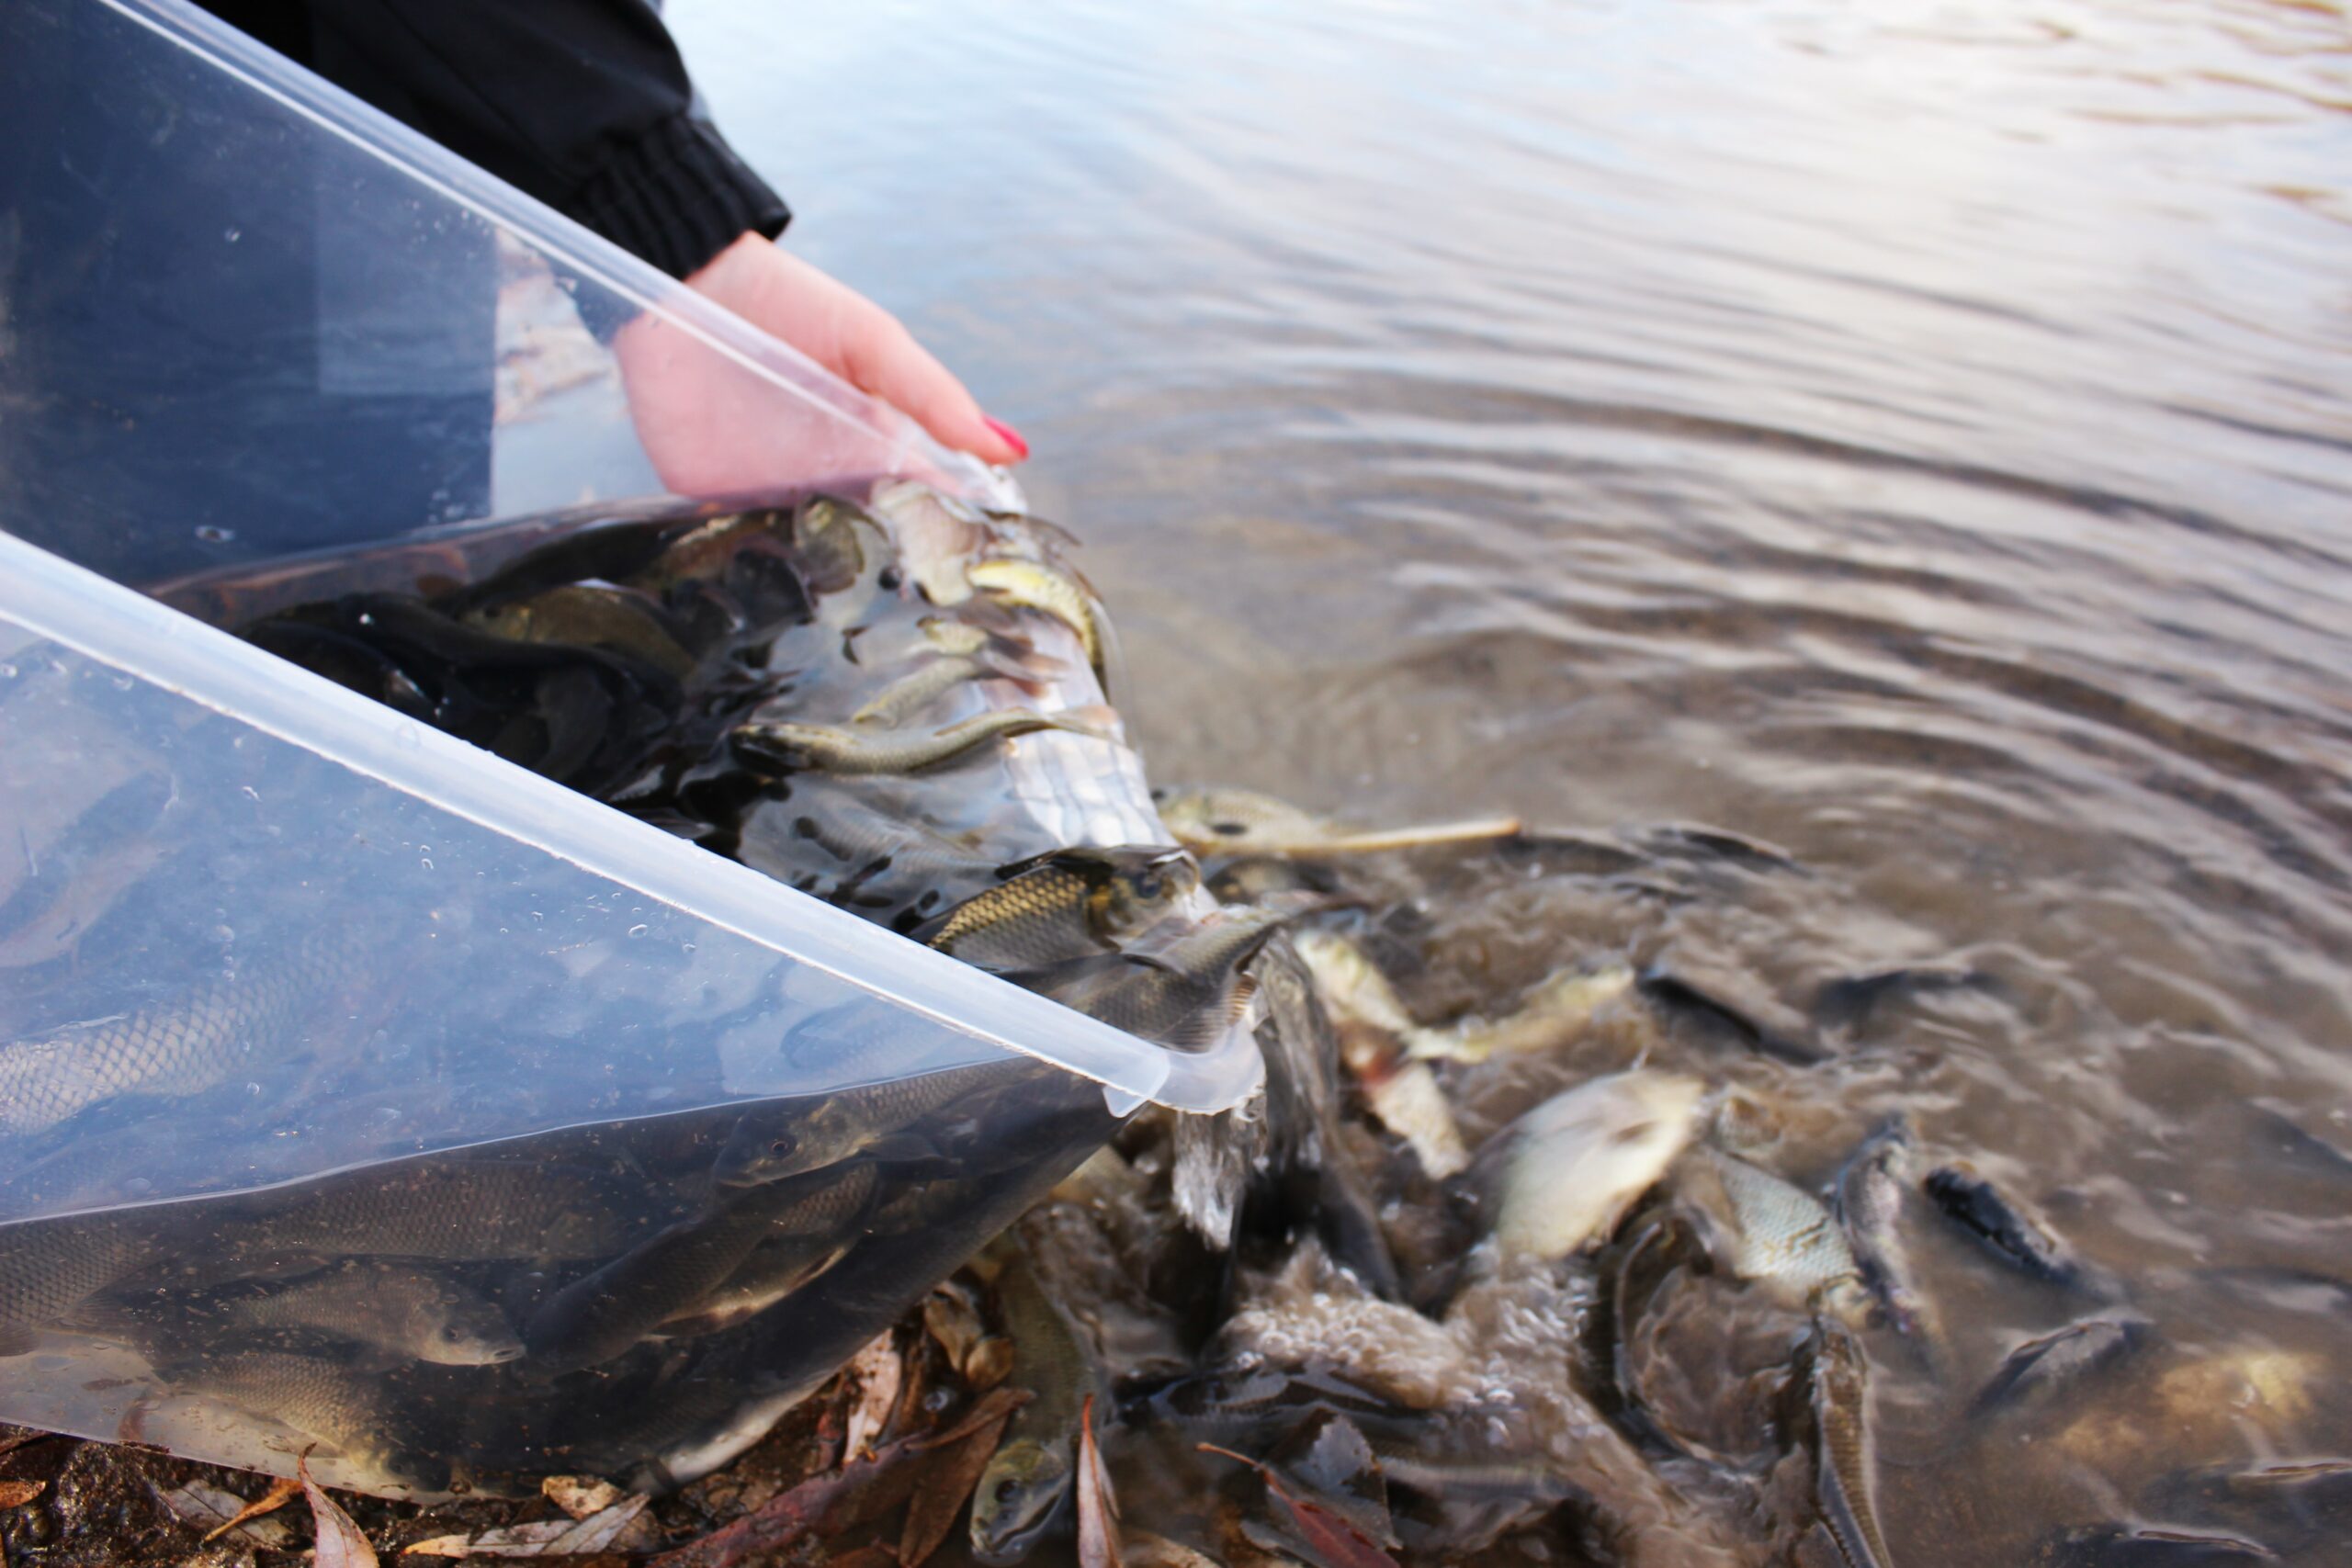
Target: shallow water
1913,435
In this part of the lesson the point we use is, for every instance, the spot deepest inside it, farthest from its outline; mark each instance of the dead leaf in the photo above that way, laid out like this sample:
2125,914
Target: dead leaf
1147,1550
16,1494
579,1496
340,1543
931,1512
609,1529
281,1491
879,1372
206,1508
1098,1508
1328,1540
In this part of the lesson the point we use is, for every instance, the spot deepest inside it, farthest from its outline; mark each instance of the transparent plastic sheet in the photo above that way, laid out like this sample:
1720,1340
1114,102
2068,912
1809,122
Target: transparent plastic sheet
303,1003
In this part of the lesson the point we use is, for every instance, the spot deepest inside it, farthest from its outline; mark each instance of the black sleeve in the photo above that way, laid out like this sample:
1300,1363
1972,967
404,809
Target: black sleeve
584,104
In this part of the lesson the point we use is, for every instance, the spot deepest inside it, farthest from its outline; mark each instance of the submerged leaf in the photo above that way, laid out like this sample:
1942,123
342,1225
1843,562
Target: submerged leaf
877,1370
1098,1508
16,1494
208,1507
281,1492
341,1545
616,1529
931,1512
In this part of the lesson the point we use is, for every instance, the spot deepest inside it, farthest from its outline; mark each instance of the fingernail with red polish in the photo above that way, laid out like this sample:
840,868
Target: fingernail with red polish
1012,436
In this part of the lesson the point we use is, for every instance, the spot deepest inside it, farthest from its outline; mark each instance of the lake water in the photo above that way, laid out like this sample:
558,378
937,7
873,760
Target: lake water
1917,435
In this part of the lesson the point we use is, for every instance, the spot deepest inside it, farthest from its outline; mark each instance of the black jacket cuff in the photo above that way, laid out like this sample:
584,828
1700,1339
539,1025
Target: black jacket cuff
678,196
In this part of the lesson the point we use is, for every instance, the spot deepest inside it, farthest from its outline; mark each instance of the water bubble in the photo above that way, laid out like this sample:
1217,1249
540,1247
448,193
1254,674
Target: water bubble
537,916
224,934
123,683
213,533
425,861
138,1187
637,930
686,947
249,791
232,234
253,1089
7,671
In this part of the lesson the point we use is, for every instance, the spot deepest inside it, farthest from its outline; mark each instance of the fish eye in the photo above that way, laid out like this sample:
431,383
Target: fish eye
1150,884
782,1145
1229,829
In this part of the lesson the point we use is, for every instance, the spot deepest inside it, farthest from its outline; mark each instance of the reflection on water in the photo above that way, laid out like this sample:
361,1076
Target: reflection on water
1915,435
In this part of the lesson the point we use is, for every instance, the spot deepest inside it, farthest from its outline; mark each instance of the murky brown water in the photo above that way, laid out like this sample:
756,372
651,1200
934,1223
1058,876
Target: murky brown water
1917,435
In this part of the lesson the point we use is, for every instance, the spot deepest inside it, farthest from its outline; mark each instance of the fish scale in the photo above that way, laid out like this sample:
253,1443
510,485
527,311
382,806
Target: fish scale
49,1267
449,1210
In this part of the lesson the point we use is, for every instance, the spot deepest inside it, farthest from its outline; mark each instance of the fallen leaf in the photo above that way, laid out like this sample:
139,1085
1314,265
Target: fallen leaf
206,1507
1147,1550
579,1496
16,1494
281,1491
783,1521
1327,1538
607,1530
1098,1508
340,1543
879,1372
931,1512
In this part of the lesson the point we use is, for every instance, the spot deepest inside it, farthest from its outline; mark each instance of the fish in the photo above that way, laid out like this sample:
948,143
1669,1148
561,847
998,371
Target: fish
1782,1236
1028,1481
1848,1462
73,883
448,1210
2041,1368
1033,586
1064,905
1572,1166
900,702
1245,1401
769,1145
49,1267
842,847
792,746
1189,993
2011,1232
1236,821
412,1312
2148,1545
677,1273
219,1024
1869,1205
936,535
321,1398
585,616
1555,1011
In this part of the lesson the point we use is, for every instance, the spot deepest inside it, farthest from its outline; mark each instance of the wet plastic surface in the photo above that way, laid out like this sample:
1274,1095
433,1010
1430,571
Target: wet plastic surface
357,1087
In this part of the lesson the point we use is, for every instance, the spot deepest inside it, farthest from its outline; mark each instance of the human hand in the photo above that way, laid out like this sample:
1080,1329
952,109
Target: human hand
710,428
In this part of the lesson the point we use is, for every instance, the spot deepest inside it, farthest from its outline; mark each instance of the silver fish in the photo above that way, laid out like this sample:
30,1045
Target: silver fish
48,1267
401,1307
1870,1199
1371,1025
1573,1164
1187,993
771,1144
449,1209
1239,821
814,746
1551,1014
1784,1236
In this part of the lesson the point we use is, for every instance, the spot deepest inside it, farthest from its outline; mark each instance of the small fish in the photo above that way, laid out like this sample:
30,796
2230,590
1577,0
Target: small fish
1574,1164
1371,1025
49,1267
1064,905
1783,1236
816,747
1188,993
583,616
2148,1545
1033,586
450,1210
1236,821
676,1273
2013,1233
1848,1462
935,536
323,1399
2039,1369
413,1312
1028,1481
769,1145
1244,1403
900,702
1868,1202
1555,1011
219,1024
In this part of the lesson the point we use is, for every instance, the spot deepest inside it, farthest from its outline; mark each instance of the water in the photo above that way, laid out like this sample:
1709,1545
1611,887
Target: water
1913,435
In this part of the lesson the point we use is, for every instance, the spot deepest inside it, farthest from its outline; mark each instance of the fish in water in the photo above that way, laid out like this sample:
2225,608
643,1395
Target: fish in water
1869,1202
323,1398
2039,1369
48,1267
1029,1479
1187,993
452,1210
588,616
773,1143
2010,1231
1064,905
1236,821
222,1023
814,746
681,1271
1552,1013
411,1311
1573,1164
1032,585
1783,1237
1848,1462
1371,1025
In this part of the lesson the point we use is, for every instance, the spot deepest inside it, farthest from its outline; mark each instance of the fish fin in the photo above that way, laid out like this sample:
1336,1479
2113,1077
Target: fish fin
902,1146
17,1341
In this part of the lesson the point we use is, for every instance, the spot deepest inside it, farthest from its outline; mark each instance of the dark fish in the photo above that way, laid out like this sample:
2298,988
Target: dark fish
1242,1405
1027,1484
793,747
318,1397
445,1209
770,1143
840,846
1850,1000
2148,1545
754,560
2041,1368
1064,905
678,1272
220,1024
2010,1231
1188,994
409,1310
1848,1462
1783,1042
48,1267
584,615
1869,1205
